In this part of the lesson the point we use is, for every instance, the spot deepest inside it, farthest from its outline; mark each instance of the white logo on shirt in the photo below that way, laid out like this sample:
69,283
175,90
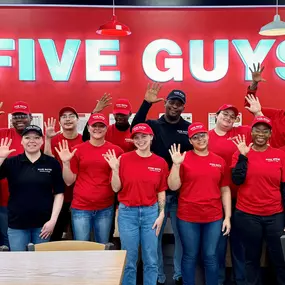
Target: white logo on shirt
182,132
215,164
274,159
154,169
45,170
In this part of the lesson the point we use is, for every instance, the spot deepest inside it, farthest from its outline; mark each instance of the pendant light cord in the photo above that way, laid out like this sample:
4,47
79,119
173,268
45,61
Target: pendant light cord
276,7
114,7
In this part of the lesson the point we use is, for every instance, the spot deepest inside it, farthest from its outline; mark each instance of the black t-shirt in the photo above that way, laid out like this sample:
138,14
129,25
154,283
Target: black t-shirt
32,187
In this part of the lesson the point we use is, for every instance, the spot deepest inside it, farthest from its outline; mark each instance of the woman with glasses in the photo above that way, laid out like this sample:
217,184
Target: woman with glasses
220,143
93,198
259,171
203,180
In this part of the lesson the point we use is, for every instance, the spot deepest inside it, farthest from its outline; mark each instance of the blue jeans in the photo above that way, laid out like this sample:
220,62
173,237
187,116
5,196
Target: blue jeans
171,209
4,226
135,228
237,255
19,239
100,221
192,235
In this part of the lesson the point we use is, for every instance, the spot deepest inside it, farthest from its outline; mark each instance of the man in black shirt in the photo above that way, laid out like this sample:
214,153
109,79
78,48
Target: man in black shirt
169,129
36,190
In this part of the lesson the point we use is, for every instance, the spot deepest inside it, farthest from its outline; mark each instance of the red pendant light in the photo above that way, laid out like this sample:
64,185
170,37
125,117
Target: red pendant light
114,27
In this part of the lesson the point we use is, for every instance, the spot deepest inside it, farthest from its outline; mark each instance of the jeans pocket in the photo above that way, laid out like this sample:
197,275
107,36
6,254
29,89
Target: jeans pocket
123,207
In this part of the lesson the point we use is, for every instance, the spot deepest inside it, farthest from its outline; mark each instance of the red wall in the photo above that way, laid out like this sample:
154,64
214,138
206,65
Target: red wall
180,25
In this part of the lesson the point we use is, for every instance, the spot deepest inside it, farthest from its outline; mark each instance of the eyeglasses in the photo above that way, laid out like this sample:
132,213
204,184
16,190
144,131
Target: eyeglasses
227,115
72,116
20,116
198,136
261,132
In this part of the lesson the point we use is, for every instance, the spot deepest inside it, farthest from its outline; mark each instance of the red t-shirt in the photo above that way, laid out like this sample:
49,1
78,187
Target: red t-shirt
118,138
92,190
260,194
68,192
200,194
224,147
16,144
142,178
277,117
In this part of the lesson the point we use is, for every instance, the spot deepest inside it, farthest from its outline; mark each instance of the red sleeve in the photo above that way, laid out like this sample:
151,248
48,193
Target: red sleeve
273,114
163,179
234,159
74,163
249,91
225,179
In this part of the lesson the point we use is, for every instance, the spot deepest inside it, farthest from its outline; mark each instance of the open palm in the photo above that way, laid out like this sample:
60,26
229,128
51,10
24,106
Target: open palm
5,147
63,152
50,128
256,73
152,92
176,156
111,158
241,145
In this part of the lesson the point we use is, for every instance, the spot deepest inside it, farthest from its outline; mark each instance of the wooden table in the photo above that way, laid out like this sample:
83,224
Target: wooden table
62,267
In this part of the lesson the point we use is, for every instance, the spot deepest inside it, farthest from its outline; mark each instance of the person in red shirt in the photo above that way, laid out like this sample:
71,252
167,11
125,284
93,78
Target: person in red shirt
220,143
202,179
140,178
277,116
118,133
92,207
68,119
259,171
21,118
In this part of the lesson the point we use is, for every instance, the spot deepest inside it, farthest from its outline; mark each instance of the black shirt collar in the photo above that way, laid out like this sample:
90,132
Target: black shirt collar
24,158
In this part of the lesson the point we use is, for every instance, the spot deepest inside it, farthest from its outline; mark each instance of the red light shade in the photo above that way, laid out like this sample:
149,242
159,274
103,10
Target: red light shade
114,28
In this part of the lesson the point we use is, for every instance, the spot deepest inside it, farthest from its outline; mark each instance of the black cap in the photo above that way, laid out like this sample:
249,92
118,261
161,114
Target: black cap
177,94
33,128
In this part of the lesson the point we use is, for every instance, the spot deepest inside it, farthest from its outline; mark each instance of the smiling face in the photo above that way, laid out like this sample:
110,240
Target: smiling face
260,134
68,121
173,109
32,142
200,141
226,119
142,141
20,121
97,131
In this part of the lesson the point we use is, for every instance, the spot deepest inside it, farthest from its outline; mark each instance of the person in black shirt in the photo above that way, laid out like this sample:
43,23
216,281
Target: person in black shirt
169,129
36,190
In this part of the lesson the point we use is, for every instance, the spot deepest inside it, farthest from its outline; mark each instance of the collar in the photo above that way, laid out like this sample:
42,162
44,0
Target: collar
24,158
162,119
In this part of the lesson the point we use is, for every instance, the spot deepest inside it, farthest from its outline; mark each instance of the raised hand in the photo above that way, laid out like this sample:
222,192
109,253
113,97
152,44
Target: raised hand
176,156
5,147
103,103
152,92
1,105
257,73
50,128
110,157
254,105
241,144
63,152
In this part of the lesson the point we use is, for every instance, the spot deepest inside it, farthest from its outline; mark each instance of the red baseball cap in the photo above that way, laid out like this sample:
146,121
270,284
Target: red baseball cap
262,120
196,128
21,107
122,106
68,109
97,118
228,106
142,129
